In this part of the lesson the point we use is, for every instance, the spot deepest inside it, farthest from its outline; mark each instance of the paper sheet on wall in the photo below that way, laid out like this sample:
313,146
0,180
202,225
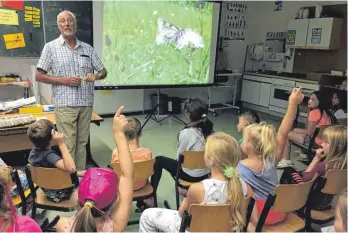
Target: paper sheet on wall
32,14
13,41
8,17
17,4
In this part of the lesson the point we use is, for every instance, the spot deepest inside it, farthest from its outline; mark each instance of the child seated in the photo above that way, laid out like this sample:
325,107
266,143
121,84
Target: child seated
339,104
334,153
22,177
318,115
9,220
245,119
42,135
264,148
340,210
133,133
104,201
222,154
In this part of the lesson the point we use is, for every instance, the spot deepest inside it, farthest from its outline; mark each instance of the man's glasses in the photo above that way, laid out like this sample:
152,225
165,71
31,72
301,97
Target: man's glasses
69,20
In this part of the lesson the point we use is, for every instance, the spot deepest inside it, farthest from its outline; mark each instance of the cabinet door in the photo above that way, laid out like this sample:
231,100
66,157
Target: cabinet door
297,33
264,94
251,91
324,33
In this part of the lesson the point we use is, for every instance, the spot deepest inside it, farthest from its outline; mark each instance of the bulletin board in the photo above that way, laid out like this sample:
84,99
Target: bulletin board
25,26
21,29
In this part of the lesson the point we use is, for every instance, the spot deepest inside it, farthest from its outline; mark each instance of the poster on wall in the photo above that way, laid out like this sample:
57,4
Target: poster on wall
291,37
278,5
316,35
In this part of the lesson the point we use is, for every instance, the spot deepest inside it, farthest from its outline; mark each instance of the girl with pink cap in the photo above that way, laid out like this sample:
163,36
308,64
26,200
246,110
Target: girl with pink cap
104,200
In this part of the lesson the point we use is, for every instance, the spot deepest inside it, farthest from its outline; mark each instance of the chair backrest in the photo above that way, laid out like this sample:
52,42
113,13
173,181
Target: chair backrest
50,178
336,181
291,197
193,160
142,169
342,121
209,218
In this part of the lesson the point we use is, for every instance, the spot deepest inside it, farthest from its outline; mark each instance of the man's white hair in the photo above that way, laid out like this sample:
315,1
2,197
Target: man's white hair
72,15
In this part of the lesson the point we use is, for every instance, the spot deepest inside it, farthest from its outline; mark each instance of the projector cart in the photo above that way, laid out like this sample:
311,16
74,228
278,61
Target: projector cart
223,106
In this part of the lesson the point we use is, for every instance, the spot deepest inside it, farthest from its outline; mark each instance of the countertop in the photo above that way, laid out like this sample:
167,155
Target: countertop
281,77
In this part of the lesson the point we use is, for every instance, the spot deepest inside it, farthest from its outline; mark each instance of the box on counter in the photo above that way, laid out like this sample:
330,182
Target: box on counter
35,108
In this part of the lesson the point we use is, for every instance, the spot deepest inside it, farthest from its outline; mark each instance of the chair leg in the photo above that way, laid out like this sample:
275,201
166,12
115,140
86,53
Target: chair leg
24,207
155,200
33,211
177,197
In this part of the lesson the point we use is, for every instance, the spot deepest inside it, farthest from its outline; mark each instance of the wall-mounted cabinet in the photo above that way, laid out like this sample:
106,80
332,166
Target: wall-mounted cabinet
318,33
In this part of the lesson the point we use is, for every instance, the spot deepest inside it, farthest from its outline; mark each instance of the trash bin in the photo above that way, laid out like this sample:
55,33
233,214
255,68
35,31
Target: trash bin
163,103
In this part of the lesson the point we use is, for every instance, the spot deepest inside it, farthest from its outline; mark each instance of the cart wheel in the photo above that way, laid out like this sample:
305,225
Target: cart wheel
215,114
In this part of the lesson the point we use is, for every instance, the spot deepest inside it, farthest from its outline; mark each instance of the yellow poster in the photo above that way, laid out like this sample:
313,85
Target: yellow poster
13,41
8,17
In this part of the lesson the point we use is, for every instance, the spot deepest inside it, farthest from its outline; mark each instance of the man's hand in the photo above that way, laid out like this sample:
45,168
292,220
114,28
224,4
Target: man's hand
57,137
73,81
120,121
90,77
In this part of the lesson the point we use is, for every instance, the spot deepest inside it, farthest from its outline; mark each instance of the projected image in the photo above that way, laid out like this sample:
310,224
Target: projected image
157,42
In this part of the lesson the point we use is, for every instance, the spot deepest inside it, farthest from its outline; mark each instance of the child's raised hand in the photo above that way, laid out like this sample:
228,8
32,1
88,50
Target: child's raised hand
296,96
120,121
57,137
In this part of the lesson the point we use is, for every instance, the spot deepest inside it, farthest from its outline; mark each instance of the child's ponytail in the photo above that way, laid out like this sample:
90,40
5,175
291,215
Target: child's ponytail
84,221
263,138
235,199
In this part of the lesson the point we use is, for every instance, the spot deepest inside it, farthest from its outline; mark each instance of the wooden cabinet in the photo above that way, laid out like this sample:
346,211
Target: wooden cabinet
297,33
251,89
324,33
318,33
265,90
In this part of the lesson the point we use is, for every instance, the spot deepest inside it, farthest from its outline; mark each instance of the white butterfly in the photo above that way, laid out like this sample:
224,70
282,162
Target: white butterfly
181,37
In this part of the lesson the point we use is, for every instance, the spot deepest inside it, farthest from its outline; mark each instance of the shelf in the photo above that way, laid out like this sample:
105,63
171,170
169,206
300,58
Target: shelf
229,74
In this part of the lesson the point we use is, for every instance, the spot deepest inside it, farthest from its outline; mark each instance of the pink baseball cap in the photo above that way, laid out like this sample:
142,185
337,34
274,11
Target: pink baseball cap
99,185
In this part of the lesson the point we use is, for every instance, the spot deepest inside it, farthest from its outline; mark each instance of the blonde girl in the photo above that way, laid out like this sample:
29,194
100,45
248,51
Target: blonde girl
222,154
264,148
9,220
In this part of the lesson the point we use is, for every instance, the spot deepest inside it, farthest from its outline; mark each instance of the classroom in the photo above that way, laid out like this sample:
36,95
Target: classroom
173,116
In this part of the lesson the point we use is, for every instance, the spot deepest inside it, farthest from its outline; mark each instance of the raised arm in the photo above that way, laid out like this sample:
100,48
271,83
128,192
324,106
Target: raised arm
295,99
125,190
66,163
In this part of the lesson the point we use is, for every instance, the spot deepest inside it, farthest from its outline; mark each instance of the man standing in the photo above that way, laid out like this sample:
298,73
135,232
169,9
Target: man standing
71,64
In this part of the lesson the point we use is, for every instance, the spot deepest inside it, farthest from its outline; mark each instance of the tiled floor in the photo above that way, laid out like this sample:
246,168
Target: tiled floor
162,140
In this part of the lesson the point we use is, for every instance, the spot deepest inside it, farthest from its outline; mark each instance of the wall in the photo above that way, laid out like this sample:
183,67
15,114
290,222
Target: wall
266,20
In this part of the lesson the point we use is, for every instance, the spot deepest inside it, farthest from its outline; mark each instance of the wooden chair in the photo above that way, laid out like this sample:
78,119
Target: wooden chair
142,171
212,218
286,198
189,160
334,182
50,178
309,147
47,226
342,121
20,200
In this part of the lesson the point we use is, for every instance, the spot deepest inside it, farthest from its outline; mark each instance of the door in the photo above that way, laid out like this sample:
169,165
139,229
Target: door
279,96
265,91
297,33
251,91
